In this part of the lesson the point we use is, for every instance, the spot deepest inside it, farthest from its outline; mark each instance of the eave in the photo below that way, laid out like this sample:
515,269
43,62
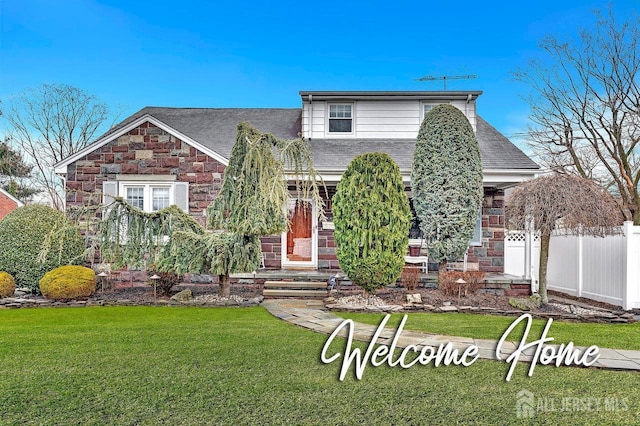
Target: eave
61,167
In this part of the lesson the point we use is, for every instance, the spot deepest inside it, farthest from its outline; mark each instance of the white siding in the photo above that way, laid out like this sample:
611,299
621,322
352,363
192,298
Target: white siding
376,119
387,119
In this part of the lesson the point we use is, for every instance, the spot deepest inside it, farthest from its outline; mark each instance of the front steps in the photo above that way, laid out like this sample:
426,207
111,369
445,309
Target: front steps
295,290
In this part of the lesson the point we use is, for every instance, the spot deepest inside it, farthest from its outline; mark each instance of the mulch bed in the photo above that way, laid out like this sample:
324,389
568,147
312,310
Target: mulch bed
436,297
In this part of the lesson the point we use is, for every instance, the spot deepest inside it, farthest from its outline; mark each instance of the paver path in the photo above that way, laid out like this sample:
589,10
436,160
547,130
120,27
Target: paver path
308,314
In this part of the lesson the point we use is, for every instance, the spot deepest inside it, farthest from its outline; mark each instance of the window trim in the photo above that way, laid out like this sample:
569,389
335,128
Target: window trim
432,103
147,191
328,119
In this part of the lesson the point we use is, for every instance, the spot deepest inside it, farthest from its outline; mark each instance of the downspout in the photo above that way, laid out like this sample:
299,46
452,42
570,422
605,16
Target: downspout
466,107
310,115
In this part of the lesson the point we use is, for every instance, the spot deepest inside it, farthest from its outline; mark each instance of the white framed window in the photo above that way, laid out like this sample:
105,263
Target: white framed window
428,106
149,197
340,117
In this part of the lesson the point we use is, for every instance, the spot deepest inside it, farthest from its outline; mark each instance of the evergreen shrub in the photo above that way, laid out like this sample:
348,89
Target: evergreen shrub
68,282
7,285
446,182
372,218
35,239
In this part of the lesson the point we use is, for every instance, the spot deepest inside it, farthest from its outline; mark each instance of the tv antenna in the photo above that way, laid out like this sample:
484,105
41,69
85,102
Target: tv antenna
444,78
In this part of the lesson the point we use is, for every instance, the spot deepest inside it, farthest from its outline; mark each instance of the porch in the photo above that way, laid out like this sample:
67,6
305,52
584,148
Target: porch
314,283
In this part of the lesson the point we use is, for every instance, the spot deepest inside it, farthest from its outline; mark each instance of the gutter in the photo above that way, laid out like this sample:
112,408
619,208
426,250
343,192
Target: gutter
310,115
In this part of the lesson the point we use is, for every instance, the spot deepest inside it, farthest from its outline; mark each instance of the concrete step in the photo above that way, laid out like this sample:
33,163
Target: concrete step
269,292
309,285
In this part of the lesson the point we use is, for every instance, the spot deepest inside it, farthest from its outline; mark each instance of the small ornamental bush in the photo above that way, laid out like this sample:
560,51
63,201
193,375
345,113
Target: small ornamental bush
372,219
68,282
410,277
166,281
35,239
447,282
7,284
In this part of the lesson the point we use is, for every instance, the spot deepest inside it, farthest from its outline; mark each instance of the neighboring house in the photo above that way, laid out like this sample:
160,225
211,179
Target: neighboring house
8,203
163,156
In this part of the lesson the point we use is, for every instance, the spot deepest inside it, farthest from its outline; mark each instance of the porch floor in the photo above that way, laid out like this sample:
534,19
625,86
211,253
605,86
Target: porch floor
325,274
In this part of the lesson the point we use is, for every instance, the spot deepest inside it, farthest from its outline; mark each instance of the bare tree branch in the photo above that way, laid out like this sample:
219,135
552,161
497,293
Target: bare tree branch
50,123
585,107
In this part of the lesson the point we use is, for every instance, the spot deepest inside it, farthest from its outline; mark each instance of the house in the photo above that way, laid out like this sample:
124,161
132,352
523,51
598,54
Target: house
8,203
162,156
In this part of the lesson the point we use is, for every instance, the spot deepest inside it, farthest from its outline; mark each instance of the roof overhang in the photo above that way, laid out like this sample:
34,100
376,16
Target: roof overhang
491,178
392,95
61,167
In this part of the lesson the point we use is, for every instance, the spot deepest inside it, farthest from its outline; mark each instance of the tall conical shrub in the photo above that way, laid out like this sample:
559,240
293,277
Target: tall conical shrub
372,218
446,182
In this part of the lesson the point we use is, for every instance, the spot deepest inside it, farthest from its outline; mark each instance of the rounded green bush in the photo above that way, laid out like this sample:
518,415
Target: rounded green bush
68,282
35,239
7,284
372,219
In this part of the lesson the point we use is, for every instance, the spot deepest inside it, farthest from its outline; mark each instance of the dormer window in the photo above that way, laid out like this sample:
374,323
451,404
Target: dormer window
340,118
428,107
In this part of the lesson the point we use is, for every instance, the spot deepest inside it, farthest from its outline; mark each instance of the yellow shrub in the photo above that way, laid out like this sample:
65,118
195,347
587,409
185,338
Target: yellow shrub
68,282
7,284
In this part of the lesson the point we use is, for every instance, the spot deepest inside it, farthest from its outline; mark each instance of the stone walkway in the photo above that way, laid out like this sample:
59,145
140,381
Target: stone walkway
309,314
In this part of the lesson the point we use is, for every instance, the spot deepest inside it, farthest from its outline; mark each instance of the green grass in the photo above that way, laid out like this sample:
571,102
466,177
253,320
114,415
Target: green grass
161,365
615,336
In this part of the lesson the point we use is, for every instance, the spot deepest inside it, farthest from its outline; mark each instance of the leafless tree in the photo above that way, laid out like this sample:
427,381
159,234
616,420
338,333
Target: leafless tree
48,124
585,107
571,203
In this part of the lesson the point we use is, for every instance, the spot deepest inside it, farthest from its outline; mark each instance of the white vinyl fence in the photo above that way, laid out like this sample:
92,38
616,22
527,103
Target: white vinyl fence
516,251
604,269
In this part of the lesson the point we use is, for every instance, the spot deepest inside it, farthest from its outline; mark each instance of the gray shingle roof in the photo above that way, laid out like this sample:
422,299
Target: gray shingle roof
496,151
215,128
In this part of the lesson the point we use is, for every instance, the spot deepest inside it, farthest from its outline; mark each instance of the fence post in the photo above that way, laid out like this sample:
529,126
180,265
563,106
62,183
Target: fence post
580,266
631,278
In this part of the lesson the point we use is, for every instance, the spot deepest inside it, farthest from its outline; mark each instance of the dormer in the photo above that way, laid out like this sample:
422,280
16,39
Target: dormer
376,115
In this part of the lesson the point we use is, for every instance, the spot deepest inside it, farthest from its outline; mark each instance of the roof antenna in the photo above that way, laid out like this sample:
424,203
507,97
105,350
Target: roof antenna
444,78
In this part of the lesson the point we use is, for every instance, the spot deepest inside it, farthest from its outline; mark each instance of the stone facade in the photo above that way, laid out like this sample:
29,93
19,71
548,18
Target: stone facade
7,205
149,150
146,150
490,256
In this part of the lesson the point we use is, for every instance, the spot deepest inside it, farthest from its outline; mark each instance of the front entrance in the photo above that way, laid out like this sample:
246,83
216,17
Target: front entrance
300,242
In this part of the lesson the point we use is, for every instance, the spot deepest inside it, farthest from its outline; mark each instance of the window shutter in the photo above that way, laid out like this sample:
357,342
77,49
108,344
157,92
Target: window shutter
181,195
109,191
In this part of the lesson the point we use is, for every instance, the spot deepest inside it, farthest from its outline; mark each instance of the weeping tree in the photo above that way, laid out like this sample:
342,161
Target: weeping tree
446,182
250,204
570,203
372,219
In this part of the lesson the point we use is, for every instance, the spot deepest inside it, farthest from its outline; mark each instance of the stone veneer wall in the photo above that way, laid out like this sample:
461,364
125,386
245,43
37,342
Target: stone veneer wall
490,256
146,150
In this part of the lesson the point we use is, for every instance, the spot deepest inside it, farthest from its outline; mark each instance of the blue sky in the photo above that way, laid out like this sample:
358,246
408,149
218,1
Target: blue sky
260,54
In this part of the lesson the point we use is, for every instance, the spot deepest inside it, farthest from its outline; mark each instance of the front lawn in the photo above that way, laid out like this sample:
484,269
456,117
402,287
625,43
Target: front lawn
161,365
615,336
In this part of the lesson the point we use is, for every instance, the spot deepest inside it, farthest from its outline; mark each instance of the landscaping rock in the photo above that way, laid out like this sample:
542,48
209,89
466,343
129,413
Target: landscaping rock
414,298
519,303
183,296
